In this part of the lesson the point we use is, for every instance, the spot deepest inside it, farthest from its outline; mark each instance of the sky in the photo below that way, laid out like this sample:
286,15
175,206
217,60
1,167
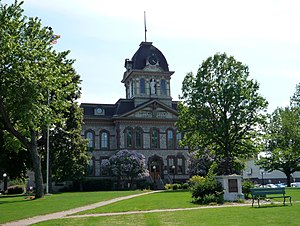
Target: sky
263,34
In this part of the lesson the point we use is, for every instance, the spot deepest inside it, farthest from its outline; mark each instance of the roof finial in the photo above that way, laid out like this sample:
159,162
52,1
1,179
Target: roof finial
145,26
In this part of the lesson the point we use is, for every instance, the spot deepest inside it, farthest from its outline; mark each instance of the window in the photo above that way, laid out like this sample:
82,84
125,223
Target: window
90,136
154,136
142,85
90,168
163,87
104,139
138,138
178,139
128,138
103,166
232,185
180,166
170,139
171,165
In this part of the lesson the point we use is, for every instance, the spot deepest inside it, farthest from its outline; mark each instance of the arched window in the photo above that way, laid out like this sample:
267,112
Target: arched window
170,139
138,138
142,86
154,136
104,139
163,87
128,138
90,136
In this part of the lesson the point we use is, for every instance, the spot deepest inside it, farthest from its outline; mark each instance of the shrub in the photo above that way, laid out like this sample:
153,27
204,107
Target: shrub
207,190
185,186
175,186
90,185
15,190
246,185
195,179
168,186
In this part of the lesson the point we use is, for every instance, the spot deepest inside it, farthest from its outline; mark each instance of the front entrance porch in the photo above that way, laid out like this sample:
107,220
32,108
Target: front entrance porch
155,167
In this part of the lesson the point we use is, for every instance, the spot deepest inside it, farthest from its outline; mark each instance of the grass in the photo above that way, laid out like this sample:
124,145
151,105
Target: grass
234,215
171,199
16,208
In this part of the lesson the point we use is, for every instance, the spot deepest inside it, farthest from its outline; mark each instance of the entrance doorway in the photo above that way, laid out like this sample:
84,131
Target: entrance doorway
155,166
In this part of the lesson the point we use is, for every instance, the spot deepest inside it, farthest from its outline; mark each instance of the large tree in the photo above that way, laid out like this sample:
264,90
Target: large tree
221,111
36,81
283,142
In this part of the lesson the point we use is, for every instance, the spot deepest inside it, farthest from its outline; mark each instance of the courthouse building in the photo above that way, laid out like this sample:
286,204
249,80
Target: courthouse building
143,121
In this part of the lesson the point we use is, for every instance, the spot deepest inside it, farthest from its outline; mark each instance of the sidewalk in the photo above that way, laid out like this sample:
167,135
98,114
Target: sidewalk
62,214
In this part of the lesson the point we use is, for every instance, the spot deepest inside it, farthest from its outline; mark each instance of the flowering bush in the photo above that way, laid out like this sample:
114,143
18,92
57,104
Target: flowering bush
126,165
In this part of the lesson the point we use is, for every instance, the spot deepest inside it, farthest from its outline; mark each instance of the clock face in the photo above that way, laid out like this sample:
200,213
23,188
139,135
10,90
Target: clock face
152,60
99,110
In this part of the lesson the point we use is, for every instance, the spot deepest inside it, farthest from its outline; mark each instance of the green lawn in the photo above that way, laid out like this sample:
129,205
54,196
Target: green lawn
19,208
233,216
171,200
15,208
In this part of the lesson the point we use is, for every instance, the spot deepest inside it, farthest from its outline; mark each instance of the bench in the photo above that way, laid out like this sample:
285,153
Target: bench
258,193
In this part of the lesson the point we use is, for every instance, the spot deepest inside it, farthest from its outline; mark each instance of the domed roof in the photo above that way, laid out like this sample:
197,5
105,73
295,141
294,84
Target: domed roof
140,58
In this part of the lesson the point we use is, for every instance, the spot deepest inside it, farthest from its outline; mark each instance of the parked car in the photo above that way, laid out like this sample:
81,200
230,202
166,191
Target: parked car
281,185
295,184
270,186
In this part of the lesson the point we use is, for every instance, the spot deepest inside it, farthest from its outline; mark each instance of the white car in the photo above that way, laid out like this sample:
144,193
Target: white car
270,186
295,184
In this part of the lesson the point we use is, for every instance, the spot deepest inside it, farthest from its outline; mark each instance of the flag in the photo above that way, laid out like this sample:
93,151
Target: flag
54,39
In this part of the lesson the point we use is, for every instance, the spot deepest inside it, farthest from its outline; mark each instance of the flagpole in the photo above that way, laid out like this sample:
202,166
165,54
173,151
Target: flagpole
48,154
145,26
48,158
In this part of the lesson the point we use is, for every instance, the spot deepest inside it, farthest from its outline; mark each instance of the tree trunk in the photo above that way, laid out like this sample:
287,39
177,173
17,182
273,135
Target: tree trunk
31,147
37,168
288,178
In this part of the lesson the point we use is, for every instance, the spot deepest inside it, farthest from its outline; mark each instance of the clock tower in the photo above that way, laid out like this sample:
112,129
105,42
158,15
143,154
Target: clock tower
147,76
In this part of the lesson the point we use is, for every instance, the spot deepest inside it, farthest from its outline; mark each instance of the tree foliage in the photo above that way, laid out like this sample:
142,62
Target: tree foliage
200,164
36,82
221,111
68,154
283,142
14,159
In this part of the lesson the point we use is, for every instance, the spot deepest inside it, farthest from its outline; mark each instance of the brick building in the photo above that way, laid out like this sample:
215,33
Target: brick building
143,121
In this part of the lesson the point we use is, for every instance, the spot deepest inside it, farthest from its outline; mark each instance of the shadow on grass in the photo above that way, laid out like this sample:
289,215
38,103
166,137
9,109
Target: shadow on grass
180,190
272,205
7,201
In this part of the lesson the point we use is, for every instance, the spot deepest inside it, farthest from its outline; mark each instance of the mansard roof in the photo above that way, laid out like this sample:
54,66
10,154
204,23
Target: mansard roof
121,107
146,50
